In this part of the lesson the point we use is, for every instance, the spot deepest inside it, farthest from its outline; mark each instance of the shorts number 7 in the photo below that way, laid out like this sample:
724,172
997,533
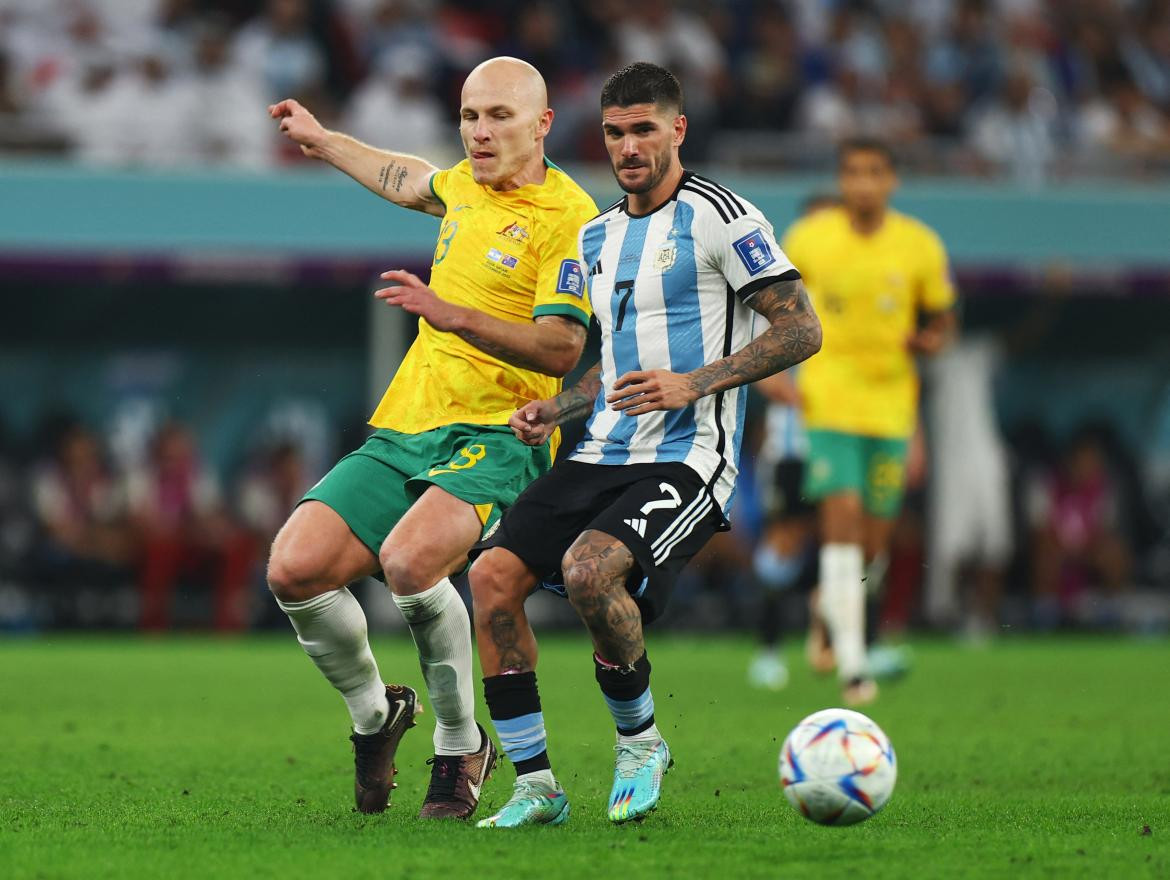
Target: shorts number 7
625,289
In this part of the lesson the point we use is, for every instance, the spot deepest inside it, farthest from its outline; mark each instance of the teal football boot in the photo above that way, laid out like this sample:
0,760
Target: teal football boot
531,804
637,779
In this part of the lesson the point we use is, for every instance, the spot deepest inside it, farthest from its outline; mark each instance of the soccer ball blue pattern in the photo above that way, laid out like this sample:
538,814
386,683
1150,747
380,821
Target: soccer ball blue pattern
837,767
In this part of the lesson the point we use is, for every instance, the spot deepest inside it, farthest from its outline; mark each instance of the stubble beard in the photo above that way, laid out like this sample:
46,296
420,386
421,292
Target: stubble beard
662,170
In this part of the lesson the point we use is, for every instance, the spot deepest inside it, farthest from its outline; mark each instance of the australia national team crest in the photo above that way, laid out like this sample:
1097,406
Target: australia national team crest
515,232
754,252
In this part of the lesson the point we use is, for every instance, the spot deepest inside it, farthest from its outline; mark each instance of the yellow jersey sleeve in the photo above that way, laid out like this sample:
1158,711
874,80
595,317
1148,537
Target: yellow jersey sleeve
560,277
936,292
438,184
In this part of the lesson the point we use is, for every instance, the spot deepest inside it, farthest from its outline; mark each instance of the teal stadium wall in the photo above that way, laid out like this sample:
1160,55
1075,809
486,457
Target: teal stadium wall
102,267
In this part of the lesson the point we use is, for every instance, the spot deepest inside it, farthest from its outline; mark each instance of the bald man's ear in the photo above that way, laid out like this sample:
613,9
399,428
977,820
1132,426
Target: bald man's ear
544,123
680,130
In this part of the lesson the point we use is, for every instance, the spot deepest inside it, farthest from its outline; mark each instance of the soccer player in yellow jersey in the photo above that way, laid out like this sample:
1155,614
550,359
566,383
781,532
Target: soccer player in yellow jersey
501,320
880,283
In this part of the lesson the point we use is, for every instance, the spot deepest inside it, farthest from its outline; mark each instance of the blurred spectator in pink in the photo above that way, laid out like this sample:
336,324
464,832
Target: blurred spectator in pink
184,530
1077,540
269,491
84,537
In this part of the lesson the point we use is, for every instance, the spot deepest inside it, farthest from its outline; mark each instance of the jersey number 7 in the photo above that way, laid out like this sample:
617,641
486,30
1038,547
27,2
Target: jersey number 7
624,289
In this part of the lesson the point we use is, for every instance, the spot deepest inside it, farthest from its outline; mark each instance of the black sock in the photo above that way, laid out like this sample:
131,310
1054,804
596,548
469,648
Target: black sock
627,693
514,705
770,619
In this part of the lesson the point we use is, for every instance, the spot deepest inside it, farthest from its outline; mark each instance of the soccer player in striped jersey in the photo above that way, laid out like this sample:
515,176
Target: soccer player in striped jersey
695,300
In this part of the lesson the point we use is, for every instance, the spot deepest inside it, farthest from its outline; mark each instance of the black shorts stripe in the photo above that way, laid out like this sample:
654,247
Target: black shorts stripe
734,200
680,534
733,212
710,198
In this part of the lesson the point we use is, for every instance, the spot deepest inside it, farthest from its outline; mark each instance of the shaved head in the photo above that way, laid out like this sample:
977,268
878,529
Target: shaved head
503,119
508,80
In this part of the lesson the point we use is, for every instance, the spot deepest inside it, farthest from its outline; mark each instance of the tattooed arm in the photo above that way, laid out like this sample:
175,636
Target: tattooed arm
534,422
794,335
402,179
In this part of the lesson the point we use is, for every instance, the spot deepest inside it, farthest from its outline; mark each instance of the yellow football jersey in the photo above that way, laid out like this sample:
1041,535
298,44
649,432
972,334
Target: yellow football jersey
868,291
513,255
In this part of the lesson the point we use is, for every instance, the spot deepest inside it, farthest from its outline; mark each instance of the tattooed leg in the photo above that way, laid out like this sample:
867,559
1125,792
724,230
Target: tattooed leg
596,568
500,582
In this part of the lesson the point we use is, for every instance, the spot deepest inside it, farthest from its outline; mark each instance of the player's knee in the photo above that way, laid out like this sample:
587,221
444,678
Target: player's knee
495,585
294,577
582,582
407,571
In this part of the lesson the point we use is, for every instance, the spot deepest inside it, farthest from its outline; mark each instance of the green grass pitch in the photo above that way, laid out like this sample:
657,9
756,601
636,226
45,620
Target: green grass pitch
197,757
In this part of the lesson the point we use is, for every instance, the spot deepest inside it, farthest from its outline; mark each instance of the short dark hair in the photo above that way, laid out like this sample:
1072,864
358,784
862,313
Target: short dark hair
866,145
642,83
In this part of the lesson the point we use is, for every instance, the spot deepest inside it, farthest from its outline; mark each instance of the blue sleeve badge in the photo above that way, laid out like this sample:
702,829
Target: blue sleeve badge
754,252
570,280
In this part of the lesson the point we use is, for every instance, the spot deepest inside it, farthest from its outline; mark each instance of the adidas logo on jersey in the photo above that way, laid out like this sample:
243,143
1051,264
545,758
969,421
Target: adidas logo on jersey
638,525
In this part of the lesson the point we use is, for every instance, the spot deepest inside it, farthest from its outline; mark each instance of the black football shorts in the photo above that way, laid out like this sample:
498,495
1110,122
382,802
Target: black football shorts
664,513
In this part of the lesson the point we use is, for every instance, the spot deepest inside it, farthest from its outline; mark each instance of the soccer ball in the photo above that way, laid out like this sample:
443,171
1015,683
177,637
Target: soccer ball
837,767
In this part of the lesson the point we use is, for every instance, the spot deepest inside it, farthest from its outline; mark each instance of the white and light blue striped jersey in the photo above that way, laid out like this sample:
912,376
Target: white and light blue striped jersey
671,290
784,434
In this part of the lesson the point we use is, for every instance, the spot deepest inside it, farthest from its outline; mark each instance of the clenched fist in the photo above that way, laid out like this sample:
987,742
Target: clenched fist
301,126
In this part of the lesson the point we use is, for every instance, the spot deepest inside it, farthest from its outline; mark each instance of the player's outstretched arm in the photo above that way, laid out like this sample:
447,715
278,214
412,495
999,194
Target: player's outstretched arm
549,344
794,335
938,331
534,422
398,177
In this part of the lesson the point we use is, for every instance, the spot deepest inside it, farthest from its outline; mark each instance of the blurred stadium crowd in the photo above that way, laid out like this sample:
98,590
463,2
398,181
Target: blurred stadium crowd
1028,89
162,538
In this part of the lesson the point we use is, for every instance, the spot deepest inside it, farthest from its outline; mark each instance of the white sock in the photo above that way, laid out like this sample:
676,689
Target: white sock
543,778
650,734
442,633
843,605
332,630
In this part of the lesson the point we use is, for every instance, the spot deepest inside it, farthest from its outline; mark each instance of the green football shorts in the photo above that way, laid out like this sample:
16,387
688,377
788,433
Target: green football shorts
374,486
873,467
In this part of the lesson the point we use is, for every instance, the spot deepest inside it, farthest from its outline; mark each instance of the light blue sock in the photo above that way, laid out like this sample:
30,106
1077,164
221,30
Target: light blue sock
776,572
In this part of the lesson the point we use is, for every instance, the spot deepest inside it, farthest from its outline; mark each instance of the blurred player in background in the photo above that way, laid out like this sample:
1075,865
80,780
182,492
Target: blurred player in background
505,320
785,555
679,270
880,282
